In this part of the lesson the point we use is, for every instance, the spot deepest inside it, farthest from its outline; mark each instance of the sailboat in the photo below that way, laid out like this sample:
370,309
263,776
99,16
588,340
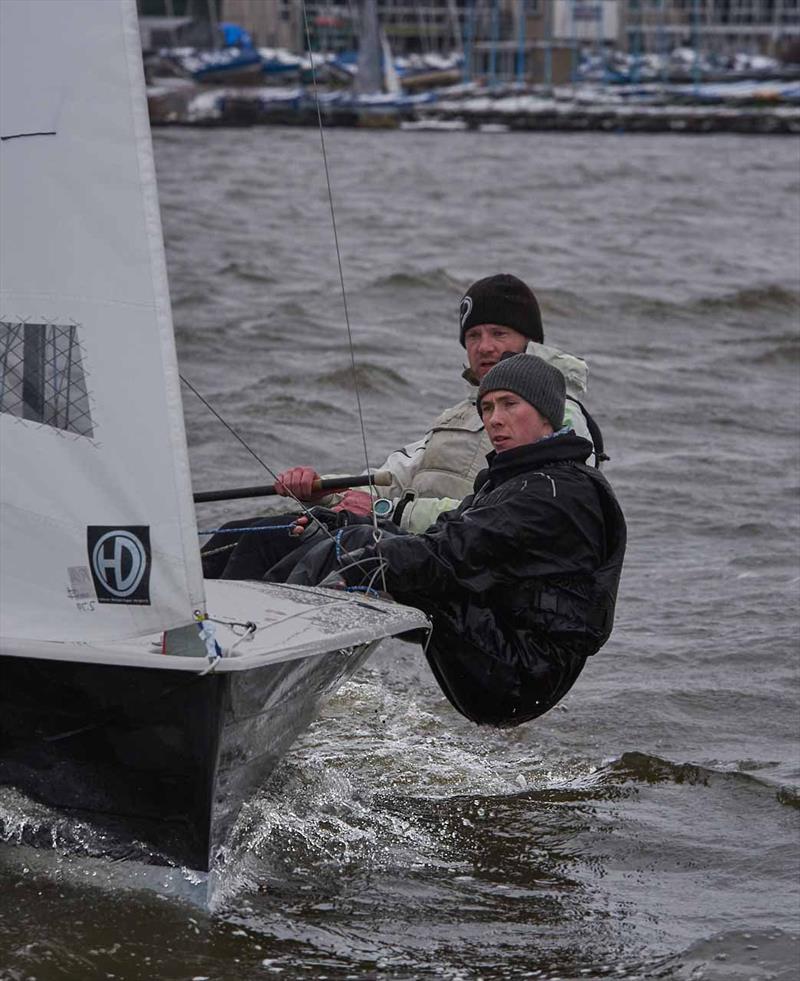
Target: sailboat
132,693
377,98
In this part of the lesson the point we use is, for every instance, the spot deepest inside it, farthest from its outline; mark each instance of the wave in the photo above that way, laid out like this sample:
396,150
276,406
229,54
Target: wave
758,531
285,405
562,303
736,954
246,271
291,310
772,297
636,767
408,280
785,351
189,296
372,378
752,299
789,796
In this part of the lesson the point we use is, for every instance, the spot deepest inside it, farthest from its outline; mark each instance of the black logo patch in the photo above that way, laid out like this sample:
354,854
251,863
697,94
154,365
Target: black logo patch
119,559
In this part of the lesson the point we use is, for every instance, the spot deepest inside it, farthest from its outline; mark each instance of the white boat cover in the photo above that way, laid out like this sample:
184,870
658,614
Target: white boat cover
99,540
264,623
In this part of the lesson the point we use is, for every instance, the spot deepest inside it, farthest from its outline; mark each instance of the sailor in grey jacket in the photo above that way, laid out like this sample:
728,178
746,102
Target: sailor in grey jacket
434,473
431,475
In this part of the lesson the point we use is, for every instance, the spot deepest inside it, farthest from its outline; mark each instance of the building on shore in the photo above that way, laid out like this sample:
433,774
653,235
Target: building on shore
723,27
516,40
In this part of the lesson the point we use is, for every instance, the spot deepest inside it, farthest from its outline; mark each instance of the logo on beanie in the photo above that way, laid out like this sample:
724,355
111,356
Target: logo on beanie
466,310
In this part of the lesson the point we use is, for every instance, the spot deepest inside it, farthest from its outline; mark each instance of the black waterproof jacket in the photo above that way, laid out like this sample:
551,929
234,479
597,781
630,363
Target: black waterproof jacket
520,581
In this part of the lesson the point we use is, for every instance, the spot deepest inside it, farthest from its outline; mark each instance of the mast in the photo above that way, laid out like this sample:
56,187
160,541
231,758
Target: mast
213,24
495,30
662,43
548,48
573,44
457,39
369,77
635,36
469,26
600,38
521,40
696,44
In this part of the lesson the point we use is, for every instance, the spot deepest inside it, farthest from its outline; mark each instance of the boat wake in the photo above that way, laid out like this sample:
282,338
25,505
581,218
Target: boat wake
27,822
44,844
311,827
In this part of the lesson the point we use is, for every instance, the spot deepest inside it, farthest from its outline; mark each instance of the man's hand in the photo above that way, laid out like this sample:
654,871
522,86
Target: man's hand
300,525
298,482
356,502
325,518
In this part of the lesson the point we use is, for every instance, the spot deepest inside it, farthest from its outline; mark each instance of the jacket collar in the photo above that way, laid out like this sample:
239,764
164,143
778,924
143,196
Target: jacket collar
568,448
574,369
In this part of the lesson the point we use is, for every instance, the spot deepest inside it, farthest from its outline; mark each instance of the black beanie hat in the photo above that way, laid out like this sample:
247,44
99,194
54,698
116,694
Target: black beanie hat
504,300
536,381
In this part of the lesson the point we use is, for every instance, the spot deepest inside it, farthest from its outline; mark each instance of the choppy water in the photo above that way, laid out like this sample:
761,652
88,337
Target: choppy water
647,827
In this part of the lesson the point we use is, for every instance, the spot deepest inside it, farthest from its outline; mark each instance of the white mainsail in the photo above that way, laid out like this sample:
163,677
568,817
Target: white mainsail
98,538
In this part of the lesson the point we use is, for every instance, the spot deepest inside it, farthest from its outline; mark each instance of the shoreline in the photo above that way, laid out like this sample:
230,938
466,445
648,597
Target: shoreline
182,105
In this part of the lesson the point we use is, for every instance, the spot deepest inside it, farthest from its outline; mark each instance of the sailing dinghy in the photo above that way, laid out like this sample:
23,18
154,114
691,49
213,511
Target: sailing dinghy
160,742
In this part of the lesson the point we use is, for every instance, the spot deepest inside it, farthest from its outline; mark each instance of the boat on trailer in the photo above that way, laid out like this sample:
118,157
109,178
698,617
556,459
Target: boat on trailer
132,693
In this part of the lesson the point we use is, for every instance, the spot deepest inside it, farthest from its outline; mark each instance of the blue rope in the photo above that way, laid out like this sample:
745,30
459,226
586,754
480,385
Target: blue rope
239,531
362,589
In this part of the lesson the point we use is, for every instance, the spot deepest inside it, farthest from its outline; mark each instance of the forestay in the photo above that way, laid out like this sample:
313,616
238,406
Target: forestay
98,531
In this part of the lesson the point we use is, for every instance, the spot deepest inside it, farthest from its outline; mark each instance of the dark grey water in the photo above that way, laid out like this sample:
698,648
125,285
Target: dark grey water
646,828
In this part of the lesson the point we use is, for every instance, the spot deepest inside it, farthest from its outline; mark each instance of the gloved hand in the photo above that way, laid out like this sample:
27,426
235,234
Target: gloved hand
332,519
325,523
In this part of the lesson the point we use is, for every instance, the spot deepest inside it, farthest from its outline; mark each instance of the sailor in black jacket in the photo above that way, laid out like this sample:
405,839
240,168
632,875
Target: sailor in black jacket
520,581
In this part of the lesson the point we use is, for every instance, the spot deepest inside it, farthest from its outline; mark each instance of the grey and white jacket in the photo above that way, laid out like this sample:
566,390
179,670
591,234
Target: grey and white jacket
434,473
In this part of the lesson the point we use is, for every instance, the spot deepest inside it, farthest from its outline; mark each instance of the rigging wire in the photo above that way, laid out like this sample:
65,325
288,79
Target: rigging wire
307,511
303,506
231,430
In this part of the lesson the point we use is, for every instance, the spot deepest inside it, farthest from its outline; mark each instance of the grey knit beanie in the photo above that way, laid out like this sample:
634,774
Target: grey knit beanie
536,381
505,300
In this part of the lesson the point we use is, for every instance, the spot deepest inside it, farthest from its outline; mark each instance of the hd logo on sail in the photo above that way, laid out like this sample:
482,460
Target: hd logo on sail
119,559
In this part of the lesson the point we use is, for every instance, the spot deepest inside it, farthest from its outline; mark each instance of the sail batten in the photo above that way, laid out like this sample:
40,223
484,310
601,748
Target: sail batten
96,516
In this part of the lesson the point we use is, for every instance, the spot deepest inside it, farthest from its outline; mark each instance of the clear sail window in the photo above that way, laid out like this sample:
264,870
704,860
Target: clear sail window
42,377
